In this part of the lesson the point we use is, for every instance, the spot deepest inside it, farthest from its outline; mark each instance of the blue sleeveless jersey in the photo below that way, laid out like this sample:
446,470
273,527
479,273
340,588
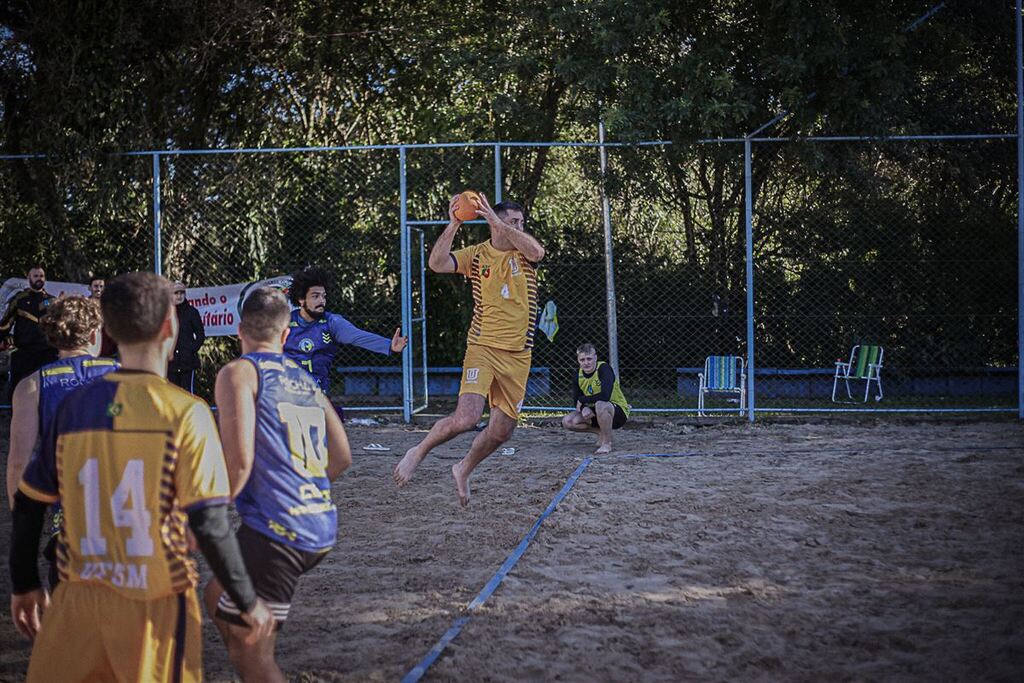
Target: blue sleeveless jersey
56,381
288,495
60,378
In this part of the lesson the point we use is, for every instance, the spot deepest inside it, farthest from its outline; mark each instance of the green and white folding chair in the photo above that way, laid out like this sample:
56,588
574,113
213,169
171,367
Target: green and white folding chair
722,374
865,364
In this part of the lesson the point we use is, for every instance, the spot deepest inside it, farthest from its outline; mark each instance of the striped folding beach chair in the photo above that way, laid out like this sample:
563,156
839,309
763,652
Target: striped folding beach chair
865,364
722,374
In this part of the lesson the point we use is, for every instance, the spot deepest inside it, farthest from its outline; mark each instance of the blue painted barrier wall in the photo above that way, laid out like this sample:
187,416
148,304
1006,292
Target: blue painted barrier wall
817,383
442,381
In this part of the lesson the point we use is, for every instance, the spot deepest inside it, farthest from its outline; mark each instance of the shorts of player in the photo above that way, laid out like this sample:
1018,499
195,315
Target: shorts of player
274,568
91,632
497,374
617,421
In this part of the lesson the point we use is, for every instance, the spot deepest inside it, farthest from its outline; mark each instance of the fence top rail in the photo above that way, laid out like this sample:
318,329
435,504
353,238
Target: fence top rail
498,145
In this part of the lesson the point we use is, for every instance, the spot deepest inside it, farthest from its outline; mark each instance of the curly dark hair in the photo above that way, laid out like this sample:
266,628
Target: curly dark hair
302,280
69,321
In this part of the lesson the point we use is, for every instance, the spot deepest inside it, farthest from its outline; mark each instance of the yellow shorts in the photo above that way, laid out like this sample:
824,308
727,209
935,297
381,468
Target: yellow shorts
497,374
91,633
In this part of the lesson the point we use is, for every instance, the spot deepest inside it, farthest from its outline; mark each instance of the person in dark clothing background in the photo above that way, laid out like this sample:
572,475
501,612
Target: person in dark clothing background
191,335
19,327
96,286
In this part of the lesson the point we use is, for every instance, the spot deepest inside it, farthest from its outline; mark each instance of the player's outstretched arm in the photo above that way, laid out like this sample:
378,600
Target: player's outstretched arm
24,429
525,243
235,392
339,453
441,260
346,333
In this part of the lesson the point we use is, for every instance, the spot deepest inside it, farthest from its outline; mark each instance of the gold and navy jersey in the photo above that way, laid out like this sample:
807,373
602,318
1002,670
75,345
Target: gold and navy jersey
505,307
594,384
128,456
288,495
21,319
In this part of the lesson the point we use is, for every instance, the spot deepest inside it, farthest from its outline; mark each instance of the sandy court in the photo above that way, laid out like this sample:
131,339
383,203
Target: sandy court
796,550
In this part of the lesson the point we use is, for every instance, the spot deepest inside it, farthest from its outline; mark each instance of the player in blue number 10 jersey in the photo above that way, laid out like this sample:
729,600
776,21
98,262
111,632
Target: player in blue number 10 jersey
283,445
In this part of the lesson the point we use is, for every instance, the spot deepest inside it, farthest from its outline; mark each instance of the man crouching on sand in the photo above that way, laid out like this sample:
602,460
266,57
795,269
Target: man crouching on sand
600,405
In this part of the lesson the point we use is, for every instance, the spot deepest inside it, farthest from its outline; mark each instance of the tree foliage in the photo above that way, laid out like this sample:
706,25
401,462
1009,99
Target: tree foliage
83,81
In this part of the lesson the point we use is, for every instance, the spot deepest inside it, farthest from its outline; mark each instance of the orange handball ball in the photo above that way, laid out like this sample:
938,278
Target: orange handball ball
465,208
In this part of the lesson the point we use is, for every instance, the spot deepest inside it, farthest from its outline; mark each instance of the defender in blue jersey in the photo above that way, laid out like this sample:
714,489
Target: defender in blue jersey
72,326
315,336
283,444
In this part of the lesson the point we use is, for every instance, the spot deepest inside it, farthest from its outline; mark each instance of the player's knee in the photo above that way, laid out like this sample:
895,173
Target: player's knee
463,422
605,408
502,432
466,417
569,421
249,657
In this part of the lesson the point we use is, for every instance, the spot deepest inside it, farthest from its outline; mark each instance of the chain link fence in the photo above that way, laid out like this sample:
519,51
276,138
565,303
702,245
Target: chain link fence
230,218
77,218
905,244
909,245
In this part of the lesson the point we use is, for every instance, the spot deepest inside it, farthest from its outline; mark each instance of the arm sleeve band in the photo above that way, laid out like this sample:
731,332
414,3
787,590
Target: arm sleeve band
577,393
27,527
607,376
220,548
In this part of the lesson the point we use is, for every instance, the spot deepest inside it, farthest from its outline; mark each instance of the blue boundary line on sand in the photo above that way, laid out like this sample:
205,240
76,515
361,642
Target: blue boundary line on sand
418,671
660,455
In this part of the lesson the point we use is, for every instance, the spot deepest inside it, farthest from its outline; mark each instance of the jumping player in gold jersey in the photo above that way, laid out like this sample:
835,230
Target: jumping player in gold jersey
499,343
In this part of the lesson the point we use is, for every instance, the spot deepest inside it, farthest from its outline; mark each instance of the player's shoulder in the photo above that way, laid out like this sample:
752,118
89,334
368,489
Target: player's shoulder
26,388
234,371
21,296
173,400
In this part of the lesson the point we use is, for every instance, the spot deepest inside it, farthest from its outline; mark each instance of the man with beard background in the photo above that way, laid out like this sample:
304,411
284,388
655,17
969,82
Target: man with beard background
21,322
315,335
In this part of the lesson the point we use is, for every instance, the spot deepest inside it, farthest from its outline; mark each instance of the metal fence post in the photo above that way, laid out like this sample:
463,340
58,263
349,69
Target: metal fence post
497,174
748,221
157,256
609,256
1020,214
406,289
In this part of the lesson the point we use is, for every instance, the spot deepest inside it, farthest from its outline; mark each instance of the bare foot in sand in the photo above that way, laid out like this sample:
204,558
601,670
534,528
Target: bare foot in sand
603,448
461,483
406,466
